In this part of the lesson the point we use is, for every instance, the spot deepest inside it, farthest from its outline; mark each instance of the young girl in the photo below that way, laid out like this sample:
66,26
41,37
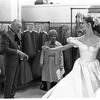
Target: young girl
51,61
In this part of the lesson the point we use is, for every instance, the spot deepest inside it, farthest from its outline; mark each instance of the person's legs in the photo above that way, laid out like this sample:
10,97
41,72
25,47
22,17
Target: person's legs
53,84
48,85
15,82
9,75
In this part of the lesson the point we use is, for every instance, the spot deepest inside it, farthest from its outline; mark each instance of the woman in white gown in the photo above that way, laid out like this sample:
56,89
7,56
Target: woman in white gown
84,79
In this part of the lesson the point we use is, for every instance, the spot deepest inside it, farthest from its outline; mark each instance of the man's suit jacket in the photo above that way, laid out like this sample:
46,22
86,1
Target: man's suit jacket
9,47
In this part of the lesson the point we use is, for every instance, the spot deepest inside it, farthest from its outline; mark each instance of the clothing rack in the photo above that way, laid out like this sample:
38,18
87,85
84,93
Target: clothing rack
36,25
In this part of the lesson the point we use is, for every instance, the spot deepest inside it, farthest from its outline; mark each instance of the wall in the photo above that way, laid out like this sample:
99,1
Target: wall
52,13
14,9
5,10
8,10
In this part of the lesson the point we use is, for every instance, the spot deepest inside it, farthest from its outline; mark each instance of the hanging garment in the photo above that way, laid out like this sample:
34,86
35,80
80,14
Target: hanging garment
43,37
25,73
27,44
35,36
67,53
36,69
2,65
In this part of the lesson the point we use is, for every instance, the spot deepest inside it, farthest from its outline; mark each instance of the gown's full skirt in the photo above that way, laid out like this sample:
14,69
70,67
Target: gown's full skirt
81,82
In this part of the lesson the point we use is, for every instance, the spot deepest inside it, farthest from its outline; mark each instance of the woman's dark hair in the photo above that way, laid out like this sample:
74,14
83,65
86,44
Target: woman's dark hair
90,19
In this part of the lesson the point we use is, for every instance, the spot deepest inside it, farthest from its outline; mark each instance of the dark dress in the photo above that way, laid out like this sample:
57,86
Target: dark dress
36,69
27,45
25,73
35,37
2,67
67,54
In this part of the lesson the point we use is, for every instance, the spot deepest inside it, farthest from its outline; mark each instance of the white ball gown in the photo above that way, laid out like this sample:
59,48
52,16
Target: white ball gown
84,79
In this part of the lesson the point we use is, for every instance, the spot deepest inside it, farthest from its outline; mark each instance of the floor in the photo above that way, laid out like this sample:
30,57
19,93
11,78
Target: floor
30,90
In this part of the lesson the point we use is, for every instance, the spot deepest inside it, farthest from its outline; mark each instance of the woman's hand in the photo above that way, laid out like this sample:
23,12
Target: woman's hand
68,39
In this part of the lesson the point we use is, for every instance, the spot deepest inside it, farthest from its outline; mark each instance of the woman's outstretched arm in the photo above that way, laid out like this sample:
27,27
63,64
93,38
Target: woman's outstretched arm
60,48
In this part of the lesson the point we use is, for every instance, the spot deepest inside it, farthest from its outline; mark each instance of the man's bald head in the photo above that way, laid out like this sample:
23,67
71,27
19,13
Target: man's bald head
16,26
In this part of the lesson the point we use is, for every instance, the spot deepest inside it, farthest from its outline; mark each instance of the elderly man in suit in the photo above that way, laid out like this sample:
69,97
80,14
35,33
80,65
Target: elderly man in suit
13,54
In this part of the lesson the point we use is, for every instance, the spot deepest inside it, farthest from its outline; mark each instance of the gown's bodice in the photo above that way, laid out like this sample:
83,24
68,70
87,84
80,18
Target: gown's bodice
87,53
